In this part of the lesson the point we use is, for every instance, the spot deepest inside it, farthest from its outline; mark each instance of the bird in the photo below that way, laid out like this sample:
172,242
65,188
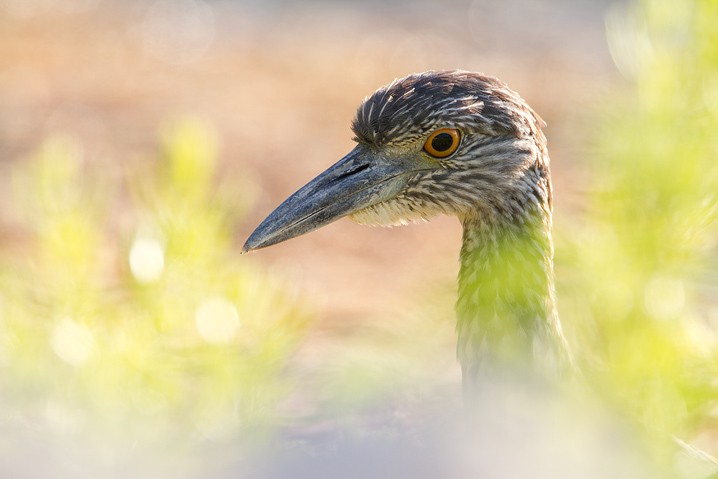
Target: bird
464,144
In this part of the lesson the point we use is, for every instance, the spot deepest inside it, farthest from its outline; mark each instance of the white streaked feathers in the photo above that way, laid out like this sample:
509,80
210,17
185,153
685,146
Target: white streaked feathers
498,184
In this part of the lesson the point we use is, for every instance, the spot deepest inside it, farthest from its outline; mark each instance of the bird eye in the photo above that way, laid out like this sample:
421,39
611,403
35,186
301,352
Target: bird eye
443,142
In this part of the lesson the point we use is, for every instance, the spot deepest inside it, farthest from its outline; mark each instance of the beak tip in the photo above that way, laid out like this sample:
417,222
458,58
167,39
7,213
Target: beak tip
258,239
249,246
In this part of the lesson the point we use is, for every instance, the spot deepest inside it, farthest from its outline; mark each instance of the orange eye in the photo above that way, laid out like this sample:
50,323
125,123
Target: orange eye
443,142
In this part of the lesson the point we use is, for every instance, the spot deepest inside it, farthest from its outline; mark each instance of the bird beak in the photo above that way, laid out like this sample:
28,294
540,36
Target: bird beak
359,180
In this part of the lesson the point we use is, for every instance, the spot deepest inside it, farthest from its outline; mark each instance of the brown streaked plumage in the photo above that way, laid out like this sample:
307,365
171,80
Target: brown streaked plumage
497,182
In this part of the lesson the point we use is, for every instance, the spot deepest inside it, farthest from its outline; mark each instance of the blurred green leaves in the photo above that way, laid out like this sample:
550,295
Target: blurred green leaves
128,310
642,263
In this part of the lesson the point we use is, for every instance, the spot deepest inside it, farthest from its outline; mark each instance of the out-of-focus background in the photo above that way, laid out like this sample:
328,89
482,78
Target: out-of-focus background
141,142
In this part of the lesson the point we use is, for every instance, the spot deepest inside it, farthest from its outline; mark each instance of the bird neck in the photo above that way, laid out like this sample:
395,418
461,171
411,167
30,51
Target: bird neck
506,304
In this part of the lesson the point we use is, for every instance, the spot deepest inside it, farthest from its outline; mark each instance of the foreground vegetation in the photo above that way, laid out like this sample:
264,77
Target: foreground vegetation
127,315
639,273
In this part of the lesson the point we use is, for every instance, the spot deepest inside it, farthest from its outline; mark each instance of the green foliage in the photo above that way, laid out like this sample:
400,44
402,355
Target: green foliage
638,278
128,310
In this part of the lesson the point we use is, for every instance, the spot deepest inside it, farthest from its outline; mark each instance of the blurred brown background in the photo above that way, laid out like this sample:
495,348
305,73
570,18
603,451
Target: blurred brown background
280,81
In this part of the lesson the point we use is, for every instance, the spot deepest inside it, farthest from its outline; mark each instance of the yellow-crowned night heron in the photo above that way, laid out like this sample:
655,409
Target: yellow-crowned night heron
463,144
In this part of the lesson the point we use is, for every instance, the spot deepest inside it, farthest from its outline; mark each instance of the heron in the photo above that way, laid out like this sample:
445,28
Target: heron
464,144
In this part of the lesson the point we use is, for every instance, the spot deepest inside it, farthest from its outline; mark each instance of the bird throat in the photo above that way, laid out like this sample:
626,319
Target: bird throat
506,316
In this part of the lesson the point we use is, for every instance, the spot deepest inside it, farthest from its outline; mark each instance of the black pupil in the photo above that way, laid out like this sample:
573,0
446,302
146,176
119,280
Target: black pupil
442,142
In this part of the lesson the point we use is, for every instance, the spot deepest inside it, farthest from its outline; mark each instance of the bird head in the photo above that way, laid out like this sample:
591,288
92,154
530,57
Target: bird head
439,142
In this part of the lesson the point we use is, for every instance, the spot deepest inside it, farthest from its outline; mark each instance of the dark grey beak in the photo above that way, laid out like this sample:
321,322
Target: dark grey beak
357,181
